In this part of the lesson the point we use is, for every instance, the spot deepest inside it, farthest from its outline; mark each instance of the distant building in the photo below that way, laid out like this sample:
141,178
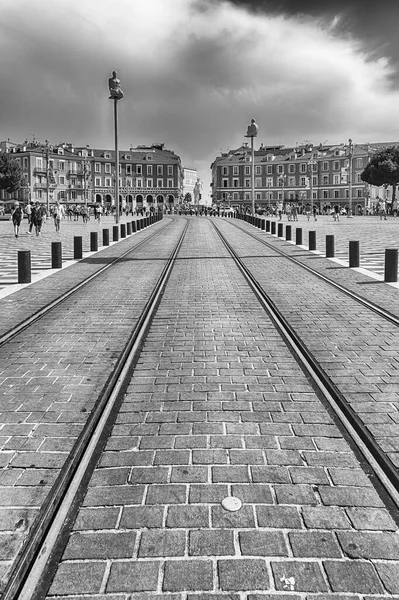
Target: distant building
190,177
284,174
148,175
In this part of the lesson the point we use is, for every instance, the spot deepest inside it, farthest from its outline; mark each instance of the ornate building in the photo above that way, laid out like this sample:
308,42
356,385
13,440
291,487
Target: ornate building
327,174
148,175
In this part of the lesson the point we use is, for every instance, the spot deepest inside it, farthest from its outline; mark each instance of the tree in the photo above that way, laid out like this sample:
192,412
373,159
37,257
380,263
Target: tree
187,198
383,169
10,173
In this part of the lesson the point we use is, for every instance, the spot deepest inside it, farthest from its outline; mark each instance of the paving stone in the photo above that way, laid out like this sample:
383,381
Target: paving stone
350,496
262,543
187,516
194,575
278,517
78,578
212,542
371,518
325,517
298,576
307,544
99,518
243,518
98,545
162,543
349,576
133,576
389,574
243,574
369,545
166,494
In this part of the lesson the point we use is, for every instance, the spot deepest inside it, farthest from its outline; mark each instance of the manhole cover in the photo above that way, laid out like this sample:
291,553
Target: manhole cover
231,503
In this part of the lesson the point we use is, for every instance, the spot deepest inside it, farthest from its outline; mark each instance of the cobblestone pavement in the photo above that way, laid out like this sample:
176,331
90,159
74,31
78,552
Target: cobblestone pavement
217,407
52,373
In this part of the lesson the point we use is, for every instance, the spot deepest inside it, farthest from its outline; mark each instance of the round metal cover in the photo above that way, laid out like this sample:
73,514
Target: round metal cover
231,503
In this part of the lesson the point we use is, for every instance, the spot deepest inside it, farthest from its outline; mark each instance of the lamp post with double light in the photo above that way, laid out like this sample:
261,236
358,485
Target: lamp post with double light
252,131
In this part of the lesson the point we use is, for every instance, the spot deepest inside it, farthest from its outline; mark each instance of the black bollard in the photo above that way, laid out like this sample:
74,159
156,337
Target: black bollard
56,255
77,247
138,224
298,236
391,265
279,230
312,240
128,228
105,237
134,227
263,225
288,231
115,233
273,227
93,241
24,266
267,226
354,260
330,251
123,230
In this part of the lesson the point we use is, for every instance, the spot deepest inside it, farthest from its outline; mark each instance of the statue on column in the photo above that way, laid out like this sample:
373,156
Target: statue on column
114,85
253,129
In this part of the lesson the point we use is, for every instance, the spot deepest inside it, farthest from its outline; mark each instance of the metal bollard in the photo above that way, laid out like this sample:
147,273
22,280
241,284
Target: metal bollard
391,265
105,237
128,228
288,231
77,247
56,255
267,226
123,230
279,230
312,240
138,224
263,224
134,227
93,241
298,236
115,233
354,260
330,250
24,266
273,227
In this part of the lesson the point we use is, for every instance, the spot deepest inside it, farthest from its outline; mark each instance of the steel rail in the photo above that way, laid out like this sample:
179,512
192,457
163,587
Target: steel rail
367,303
383,468
31,573
11,333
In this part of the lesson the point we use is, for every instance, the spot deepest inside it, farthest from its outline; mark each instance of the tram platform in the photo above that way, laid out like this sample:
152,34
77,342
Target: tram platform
224,475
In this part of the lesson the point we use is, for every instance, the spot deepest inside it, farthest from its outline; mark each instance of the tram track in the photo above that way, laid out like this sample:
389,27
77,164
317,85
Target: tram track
383,468
392,318
39,553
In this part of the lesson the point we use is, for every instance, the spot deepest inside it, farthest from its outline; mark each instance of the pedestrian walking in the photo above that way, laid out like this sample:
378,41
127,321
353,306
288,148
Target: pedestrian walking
395,209
308,211
16,216
85,213
336,212
383,210
314,212
98,212
280,210
38,212
58,214
28,211
294,212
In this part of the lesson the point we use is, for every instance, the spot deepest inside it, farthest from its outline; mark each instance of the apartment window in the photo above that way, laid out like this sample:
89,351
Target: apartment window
225,170
25,163
358,178
159,169
325,194
359,193
61,165
336,165
139,169
247,170
170,183
247,196
128,169
39,194
325,180
107,168
291,181
73,182
128,182
74,195
314,181
269,181
324,166
280,169
139,183
225,183
149,170
336,179
108,182
247,183
235,183
336,194
170,170
235,195
359,163
97,167
304,180
258,196
269,169
303,167
291,168
258,182
160,183
149,183
107,155
235,170
61,180
39,163
98,181
258,170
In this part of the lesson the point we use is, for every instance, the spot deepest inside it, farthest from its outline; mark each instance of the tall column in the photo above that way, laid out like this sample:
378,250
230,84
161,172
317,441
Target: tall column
115,95
252,131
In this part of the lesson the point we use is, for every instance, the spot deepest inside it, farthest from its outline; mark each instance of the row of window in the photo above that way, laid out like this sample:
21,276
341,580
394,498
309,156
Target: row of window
303,167
325,195
139,183
292,181
73,167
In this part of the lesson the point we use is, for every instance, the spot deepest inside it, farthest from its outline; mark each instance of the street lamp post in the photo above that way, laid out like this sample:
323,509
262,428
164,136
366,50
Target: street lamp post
47,154
116,94
311,163
252,131
350,154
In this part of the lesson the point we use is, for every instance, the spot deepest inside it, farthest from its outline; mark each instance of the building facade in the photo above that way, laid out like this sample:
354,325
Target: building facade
322,175
149,176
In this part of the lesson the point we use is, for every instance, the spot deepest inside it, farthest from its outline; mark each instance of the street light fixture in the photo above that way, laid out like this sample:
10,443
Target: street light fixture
116,94
350,155
252,131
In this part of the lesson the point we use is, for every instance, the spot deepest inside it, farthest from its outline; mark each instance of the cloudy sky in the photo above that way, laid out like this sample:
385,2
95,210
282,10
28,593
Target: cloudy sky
194,72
